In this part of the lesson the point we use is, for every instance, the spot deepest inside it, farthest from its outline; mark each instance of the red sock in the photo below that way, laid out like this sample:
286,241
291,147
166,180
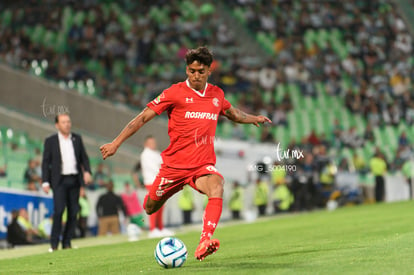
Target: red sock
211,217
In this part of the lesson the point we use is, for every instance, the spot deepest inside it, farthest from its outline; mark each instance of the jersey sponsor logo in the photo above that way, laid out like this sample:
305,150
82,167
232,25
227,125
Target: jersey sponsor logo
215,102
189,100
201,115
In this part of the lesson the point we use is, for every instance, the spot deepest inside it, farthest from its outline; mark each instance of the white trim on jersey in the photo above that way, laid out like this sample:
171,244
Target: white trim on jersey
200,94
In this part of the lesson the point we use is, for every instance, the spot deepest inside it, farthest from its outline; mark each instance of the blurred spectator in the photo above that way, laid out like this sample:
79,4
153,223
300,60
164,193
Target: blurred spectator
378,168
313,138
151,162
3,172
16,235
236,200
100,177
409,113
343,165
45,228
107,208
266,135
286,103
282,198
31,232
237,132
133,206
408,172
267,77
31,176
336,134
327,179
369,134
279,115
351,138
186,204
83,212
261,196
137,175
358,163
403,140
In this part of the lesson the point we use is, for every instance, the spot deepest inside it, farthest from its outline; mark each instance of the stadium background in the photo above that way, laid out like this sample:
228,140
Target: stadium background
308,62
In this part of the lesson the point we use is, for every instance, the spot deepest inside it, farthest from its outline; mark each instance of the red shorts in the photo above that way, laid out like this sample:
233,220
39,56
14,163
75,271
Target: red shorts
171,180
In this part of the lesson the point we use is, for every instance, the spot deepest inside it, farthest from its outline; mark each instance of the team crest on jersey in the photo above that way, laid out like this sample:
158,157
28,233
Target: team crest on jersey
211,168
215,102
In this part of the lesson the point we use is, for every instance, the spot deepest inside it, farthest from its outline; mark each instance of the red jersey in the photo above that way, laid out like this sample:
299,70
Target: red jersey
192,123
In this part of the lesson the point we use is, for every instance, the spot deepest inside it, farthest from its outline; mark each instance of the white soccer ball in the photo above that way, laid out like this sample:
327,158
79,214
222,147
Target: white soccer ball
170,252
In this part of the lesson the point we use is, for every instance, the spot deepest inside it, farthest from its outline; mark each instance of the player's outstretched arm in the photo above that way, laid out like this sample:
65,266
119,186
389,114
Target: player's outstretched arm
239,116
131,128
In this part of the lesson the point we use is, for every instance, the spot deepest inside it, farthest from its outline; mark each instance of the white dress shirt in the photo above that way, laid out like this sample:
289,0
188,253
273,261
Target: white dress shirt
67,154
150,164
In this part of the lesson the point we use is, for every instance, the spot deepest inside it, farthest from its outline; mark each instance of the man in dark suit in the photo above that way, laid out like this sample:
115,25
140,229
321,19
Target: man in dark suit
65,168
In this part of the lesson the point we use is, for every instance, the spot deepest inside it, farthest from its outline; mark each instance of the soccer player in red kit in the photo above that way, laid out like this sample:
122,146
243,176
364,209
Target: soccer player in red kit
193,107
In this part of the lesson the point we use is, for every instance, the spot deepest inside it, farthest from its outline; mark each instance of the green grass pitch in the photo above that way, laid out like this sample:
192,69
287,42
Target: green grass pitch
371,239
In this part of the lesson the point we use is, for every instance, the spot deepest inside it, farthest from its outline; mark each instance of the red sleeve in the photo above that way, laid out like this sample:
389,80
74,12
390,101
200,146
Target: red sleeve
225,106
162,102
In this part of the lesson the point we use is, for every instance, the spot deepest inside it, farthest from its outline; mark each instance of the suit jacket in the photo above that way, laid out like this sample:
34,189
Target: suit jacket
52,160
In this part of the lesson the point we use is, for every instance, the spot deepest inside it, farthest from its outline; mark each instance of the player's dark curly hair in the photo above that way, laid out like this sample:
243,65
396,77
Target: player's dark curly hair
201,54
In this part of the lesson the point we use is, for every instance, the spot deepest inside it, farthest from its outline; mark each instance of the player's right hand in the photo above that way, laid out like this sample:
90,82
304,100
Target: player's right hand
46,189
108,150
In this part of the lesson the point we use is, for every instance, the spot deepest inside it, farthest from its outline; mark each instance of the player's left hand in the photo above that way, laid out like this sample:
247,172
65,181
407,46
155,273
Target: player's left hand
261,120
108,150
87,178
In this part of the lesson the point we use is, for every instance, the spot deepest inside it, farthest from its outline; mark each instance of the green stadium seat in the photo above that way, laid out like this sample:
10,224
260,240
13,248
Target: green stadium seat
319,127
280,91
91,16
118,68
38,34
391,135
226,129
267,97
239,14
207,8
120,179
7,17
252,132
61,45
50,39
281,134
126,22
326,121
368,151
378,137
15,170
106,9
297,99
67,19
345,117
79,18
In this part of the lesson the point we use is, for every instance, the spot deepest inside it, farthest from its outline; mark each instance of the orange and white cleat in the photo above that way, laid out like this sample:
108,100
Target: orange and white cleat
205,248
